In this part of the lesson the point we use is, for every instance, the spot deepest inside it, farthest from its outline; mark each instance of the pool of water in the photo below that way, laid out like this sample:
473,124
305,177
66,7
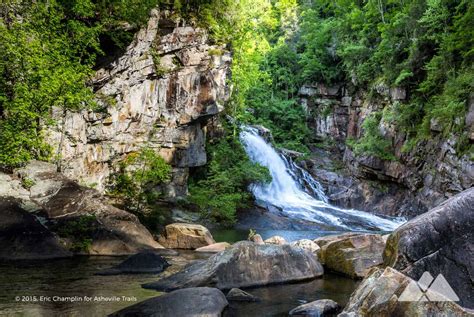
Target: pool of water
278,300
233,235
69,287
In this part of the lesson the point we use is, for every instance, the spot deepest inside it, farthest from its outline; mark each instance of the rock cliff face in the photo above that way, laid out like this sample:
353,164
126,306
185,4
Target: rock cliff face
409,185
160,93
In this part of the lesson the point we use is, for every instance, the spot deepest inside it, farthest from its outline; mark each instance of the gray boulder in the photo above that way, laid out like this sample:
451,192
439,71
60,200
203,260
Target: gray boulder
65,204
141,263
246,264
440,241
198,301
318,308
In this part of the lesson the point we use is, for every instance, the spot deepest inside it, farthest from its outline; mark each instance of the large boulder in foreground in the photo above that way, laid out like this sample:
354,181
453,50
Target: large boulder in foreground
198,301
246,264
387,293
23,237
141,263
440,241
80,216
186,236
352,254
318,308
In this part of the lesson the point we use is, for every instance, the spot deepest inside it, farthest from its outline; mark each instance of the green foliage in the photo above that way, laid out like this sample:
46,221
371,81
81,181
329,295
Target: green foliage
425,46
137,186
79,230
372,142
252,233
49,50
266,73
221,188
137,179
41,69
159,70
27,182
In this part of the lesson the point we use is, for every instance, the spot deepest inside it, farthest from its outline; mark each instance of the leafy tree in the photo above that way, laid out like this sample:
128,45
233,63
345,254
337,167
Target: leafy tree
138,177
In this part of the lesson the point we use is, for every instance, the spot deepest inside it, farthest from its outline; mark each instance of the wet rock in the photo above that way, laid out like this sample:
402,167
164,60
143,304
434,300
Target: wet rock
383,293
275,240
186,236
238,295
214,248
318,308
440,241
143,262
308,245
197,301
246,264
352,254
24,237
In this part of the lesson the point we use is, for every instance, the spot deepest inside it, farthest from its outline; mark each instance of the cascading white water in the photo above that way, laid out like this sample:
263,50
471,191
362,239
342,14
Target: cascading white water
287,191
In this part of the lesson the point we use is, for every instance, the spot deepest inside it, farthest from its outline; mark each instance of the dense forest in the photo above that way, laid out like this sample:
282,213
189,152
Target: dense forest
50,50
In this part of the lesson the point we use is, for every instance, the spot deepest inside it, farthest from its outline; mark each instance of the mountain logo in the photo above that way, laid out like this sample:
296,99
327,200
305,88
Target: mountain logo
429,289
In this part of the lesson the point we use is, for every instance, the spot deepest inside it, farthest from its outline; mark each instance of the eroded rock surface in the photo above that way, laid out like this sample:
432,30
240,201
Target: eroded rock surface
246,264
440,241
164,106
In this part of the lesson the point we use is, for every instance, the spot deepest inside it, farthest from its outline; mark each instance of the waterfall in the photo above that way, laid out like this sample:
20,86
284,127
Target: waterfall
298,195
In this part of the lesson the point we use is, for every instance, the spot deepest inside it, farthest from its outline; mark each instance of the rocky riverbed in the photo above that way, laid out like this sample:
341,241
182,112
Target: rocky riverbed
279,273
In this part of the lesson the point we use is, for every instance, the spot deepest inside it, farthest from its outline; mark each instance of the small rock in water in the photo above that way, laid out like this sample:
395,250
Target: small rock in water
351,254
238,295
214,248
186,236
276,240
307,244
245,264
318,308
196,301
257,239
144,262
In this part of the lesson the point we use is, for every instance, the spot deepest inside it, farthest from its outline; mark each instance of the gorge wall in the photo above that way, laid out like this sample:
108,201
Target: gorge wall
409,184
160,93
